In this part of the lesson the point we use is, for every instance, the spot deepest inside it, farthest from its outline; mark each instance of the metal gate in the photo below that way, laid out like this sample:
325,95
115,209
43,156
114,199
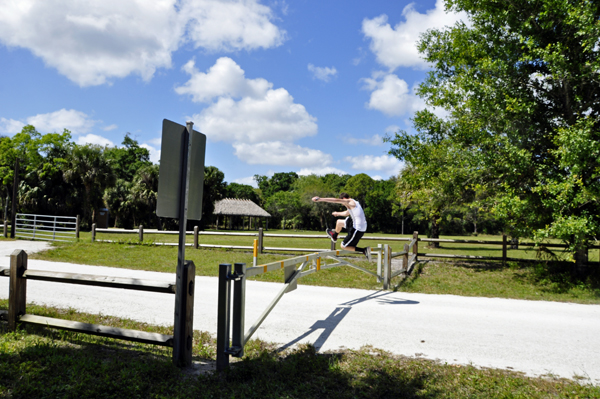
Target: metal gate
45,227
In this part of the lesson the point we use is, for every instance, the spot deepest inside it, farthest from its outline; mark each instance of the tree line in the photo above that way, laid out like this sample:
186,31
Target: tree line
59,177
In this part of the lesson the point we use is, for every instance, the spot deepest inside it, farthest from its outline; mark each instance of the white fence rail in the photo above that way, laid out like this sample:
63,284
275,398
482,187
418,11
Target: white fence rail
45,227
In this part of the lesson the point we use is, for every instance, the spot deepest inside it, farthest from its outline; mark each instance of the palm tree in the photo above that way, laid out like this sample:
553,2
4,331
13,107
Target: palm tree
89,165
144,191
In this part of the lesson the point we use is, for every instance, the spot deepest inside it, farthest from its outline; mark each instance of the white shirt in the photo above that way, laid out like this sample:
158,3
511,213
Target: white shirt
358,217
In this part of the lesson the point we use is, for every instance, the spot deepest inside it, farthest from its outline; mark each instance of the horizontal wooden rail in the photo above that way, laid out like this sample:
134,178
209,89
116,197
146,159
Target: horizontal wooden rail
5,272
96,329
101,281
527,244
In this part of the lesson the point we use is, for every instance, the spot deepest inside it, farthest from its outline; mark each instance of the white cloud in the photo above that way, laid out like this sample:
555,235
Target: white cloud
10,126
231,25
156,141
225,78
244,110
280,153
94,139
96,41
321,171
109,128
54,122
247,180
154,152
392,129
390,95
322,73
385,163
396,47
373,140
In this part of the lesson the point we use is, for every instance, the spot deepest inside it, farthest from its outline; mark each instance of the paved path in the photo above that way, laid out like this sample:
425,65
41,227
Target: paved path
534,337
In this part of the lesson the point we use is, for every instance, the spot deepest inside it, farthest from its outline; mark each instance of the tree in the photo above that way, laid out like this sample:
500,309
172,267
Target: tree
521,86
127,160
144,191
278,182
120,202
214,190
358,186
88,165
285,205
242,191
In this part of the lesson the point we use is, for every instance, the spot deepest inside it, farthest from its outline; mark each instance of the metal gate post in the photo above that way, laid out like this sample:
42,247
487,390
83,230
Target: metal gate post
239,308
387,266
223,316
17,292
184,337
379,259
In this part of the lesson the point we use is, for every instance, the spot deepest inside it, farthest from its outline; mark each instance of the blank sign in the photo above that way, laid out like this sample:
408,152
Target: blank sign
169,178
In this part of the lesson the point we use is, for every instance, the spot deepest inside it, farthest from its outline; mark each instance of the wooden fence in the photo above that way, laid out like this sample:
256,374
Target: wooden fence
17,298
261,236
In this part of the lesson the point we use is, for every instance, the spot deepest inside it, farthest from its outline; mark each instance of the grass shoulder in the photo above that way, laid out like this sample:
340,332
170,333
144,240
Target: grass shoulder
45,363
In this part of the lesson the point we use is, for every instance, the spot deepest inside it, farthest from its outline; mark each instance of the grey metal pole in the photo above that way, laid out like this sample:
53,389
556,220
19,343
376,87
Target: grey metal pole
14,200
179,328
223,313
239,308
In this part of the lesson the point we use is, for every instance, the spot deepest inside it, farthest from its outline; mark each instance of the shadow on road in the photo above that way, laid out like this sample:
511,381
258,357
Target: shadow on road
335,317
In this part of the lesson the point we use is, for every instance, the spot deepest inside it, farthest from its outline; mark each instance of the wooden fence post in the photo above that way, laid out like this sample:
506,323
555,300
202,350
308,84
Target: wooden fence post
196,237
581,260
416,244
93,232
77,227
5,229
17,294
504,249
260,240
405,258
141,233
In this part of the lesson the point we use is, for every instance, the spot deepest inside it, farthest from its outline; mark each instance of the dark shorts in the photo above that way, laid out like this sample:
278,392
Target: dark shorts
353,237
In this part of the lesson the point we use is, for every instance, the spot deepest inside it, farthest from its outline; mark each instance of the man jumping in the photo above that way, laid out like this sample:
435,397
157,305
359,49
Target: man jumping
355,223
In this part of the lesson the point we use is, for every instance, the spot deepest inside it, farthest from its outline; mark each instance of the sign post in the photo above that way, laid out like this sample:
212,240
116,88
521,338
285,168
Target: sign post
180,186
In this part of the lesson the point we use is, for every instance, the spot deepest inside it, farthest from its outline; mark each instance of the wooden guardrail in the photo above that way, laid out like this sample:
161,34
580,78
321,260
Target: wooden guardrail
260,235
17,308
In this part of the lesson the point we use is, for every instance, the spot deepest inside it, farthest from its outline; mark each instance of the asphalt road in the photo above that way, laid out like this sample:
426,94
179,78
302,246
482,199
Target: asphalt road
534,337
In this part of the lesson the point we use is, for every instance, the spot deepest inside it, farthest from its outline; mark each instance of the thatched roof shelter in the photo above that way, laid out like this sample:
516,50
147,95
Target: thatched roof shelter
230,207
239,207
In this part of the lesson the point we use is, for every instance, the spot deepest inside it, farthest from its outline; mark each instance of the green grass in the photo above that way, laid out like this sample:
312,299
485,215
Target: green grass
322,241
517,280
37,362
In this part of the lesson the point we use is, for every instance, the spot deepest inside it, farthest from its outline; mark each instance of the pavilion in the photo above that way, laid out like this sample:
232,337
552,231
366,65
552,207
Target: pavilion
230,208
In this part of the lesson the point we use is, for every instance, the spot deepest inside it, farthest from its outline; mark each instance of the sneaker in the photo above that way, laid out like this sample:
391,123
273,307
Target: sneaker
368,253
332,234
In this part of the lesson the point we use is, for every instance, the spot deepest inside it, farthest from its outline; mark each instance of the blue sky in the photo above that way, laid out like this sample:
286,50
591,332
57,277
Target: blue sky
277,86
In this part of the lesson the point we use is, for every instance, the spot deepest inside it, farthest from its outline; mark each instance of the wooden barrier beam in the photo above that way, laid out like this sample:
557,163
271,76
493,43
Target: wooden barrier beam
5,272
103,331
101,281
